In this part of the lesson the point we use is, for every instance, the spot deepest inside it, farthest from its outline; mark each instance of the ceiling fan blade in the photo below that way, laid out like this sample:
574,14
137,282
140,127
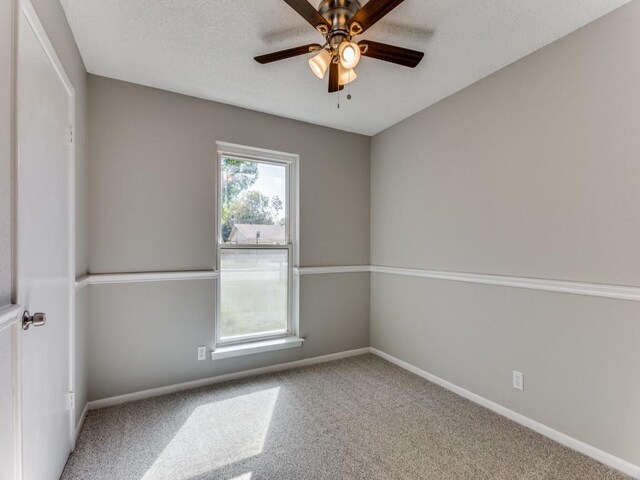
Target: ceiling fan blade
334,77
291,52
310,14
391,53
373,11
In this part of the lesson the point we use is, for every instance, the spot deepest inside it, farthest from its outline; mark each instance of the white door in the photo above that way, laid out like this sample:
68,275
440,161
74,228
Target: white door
44,244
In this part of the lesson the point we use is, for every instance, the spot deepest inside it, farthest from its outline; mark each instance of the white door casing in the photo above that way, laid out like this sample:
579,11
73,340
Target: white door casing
45,249
9,426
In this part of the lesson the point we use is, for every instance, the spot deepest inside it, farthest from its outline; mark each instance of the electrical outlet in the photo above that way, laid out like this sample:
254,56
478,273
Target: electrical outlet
202,353
518,380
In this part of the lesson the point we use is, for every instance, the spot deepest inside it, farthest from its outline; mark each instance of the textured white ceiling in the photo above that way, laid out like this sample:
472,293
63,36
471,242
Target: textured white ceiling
205,48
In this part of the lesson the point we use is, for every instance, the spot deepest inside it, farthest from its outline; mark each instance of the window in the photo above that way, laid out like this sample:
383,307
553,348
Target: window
256,248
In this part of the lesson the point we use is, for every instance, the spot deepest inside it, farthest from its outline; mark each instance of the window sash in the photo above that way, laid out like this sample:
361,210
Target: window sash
289,193
271,158
240,339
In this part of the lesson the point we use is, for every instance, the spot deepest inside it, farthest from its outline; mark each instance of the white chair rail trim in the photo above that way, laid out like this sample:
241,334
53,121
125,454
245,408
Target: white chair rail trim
619,292
110,278
335,269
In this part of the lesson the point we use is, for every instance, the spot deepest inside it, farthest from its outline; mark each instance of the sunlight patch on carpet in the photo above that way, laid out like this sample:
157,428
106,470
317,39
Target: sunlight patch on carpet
216,435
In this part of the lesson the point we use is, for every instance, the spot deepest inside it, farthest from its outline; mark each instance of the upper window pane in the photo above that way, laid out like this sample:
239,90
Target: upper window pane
253,203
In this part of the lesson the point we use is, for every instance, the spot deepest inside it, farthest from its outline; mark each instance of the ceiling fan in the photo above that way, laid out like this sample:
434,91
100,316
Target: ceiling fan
339,21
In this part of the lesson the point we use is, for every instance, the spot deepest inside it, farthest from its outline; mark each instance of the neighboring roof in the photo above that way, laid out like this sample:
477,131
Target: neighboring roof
244,233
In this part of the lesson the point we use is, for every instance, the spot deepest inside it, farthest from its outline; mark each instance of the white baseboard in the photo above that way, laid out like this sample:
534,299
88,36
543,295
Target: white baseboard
577,445
80,423
155,392
570,442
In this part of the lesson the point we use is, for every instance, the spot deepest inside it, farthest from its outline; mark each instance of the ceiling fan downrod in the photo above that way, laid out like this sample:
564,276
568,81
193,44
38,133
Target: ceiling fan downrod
338,13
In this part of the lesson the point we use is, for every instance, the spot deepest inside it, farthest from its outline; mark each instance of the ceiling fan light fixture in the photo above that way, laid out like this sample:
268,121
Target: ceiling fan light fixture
320,63
349,53
346,75
339,21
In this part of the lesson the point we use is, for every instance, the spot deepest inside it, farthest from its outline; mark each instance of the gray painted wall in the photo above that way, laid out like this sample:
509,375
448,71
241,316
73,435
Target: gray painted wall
579,354
151,176
532,172
152,208
146,335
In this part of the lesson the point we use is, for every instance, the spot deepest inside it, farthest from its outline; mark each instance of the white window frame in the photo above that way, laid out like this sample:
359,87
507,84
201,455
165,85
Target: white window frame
263,341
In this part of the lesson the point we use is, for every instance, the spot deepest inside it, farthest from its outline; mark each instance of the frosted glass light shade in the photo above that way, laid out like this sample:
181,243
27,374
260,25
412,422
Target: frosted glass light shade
320,63
349,54
346,75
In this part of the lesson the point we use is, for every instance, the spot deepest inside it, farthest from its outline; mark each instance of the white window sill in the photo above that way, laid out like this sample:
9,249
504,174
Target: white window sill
256,347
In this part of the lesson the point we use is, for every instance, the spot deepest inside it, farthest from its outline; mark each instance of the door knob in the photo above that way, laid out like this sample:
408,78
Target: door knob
37,320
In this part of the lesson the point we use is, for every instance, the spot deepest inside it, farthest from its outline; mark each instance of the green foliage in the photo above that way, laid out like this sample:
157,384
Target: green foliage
241,205
238,175
277,205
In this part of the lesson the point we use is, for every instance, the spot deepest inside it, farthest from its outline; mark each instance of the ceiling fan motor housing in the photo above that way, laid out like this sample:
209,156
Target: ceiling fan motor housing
338,13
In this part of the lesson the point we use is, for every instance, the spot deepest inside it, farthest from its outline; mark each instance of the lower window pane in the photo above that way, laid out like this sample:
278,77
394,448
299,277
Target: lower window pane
253,292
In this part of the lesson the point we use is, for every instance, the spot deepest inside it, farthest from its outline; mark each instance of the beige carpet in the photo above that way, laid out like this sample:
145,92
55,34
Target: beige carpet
359,418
